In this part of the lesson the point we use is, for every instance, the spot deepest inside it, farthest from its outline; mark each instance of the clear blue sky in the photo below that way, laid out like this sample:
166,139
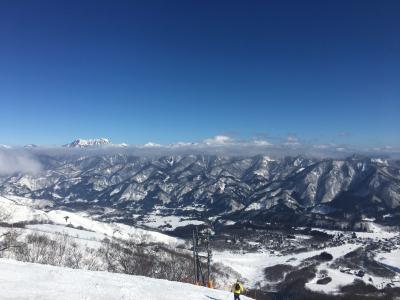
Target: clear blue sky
170,71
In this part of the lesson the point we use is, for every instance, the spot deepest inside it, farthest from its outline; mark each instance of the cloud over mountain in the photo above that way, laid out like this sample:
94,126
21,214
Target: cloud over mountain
17,161
14,159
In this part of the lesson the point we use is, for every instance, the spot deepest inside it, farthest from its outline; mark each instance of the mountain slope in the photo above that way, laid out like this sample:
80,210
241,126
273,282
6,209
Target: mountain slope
22,210
132,189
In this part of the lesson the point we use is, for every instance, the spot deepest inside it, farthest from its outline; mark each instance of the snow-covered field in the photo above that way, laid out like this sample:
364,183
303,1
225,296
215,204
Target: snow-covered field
391,259
340,279
252,265
375,232
167,222
32,281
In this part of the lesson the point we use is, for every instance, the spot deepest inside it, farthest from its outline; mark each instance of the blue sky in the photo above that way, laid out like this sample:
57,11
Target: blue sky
169,71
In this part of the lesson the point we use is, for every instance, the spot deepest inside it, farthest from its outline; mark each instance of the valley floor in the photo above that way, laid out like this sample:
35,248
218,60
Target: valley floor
377,251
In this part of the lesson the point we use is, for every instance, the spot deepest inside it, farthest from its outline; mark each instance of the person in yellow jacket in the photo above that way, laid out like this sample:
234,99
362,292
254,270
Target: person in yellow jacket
237,289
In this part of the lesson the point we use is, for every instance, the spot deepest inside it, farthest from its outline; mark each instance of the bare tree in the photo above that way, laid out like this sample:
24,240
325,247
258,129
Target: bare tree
74,256
147,260
91,260
8,240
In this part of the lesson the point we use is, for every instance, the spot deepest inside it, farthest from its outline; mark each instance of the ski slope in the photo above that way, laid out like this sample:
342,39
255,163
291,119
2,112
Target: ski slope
33,281
19,209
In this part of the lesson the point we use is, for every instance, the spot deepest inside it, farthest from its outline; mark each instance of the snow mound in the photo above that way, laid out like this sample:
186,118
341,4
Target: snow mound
34,281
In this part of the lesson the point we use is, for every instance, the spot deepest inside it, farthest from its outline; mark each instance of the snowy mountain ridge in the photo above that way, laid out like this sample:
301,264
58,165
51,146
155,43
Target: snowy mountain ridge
82,143
148,189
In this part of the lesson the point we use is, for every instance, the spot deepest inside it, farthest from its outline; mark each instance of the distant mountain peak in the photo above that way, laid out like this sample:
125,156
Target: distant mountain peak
89,143
82,143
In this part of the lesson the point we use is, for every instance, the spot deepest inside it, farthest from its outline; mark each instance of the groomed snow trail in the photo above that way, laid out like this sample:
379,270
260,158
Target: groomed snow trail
22,281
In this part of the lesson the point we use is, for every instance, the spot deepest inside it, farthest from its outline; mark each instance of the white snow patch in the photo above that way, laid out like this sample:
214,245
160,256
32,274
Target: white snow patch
168,222
391,259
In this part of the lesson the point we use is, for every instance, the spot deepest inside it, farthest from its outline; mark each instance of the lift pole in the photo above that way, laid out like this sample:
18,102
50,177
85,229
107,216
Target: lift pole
201,243
194,258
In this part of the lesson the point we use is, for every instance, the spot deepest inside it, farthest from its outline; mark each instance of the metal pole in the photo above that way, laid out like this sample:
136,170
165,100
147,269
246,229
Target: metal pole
208,259
198,264
194,258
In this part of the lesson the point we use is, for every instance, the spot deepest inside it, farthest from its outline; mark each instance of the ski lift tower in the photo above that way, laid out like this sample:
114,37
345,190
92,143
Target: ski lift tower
202,256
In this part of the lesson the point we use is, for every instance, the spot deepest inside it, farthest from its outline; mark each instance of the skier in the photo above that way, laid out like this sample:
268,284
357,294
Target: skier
237,289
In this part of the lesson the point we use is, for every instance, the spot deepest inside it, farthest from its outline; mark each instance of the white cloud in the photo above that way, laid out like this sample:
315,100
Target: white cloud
183,144
322,146
15,161
219,140
325,146
291,140
22,160
152,145
261,143
222,140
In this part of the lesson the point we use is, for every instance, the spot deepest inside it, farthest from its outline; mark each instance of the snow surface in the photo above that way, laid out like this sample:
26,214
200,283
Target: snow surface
391,259
251,265
33,281
339,279
168,222
82,237
376,232
20,212
82,143
73,232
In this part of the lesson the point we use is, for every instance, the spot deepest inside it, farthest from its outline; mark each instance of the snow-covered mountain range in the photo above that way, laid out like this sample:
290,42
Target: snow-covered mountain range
257,189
